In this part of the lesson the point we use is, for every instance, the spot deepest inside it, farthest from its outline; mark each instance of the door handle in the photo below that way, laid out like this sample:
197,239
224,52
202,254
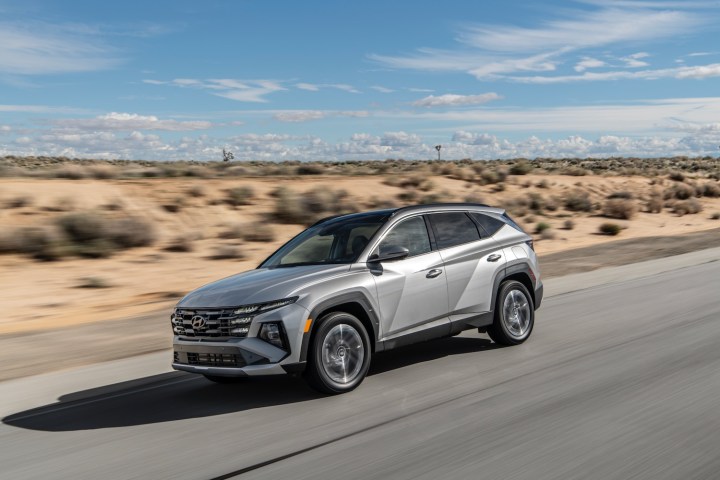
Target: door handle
494,258
433,273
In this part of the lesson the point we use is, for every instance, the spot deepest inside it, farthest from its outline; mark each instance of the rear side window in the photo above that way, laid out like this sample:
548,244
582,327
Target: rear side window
453,228
411,234
489,224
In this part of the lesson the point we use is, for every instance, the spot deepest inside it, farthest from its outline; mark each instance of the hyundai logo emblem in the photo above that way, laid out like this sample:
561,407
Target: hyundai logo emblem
198,322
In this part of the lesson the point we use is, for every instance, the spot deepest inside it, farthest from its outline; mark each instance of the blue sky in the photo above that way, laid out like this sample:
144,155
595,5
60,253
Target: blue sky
329,80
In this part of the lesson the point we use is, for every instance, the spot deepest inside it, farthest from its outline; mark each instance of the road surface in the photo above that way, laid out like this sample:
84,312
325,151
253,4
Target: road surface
618,381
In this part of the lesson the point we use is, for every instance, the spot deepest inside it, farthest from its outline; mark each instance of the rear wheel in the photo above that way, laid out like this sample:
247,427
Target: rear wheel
514,314
339,355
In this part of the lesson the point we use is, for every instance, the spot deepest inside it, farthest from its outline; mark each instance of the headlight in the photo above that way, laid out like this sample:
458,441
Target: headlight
264,307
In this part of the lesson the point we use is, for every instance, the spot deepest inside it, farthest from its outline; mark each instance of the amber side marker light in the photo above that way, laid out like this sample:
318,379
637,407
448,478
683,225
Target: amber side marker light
308,322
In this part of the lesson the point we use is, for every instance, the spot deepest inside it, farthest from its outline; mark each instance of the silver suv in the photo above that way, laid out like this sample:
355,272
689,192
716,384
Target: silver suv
354,285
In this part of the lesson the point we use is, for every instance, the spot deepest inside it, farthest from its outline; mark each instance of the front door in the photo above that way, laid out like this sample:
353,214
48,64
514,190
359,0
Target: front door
411,292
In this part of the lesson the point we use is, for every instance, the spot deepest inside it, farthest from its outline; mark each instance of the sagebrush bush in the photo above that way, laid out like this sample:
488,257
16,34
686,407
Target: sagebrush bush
542,226
689,206
680,191
227,252
522,167
310,169
619,208
610,229
578,201
258,233
569,224
715,216
621,194
710,189
240,196
654,204
180,244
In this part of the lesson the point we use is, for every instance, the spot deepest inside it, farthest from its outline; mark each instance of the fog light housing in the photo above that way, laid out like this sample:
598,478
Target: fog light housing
273,334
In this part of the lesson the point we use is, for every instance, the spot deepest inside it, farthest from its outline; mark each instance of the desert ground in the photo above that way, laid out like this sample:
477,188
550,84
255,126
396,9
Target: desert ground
56,270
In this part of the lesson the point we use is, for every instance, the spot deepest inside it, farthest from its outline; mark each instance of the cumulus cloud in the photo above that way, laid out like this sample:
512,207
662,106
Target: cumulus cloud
239,90
130,121
455,100
41,48
400,139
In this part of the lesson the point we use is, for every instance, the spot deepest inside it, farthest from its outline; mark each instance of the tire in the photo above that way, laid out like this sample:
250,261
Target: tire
339,355
225,380
514,314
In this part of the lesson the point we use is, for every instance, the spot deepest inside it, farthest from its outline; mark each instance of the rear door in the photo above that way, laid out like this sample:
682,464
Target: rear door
412,292
471,260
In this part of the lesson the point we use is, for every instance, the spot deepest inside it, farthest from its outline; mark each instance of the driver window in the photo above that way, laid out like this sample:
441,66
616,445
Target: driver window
411,234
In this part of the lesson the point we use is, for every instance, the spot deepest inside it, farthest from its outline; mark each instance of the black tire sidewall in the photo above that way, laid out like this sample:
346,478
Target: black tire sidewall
320,378
499,325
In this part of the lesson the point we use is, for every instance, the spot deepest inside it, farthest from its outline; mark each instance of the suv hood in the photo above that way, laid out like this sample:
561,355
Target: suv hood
257,286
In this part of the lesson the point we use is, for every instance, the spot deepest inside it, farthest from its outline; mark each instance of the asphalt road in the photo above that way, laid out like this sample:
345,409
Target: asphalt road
619,381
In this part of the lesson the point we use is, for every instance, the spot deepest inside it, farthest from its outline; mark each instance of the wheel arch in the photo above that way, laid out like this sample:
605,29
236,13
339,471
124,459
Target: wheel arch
356,304
520,272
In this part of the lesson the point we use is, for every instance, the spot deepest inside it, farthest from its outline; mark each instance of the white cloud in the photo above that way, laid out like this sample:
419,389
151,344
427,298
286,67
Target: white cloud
40,109
455,100
490,52
420,90
299,115
382,89
588,62
308,115
468,138
42,48
239,90
315,87
633,61
400,139
682,72
5,128
130,121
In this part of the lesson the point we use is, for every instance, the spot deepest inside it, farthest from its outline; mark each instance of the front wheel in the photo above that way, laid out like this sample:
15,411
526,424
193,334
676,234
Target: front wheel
514,314
339,355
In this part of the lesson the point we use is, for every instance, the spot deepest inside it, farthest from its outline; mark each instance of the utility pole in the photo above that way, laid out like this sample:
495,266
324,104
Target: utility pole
438,147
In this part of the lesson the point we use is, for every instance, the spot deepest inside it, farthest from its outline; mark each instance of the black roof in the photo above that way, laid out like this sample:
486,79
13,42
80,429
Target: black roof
393,211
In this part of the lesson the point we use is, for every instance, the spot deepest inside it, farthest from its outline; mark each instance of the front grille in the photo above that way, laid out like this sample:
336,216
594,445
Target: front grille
216,360
216,323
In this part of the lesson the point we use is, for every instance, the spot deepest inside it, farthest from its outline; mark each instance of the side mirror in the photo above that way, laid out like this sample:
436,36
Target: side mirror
392,252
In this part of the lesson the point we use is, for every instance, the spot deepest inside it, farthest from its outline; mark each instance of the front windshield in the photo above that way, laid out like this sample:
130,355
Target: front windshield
335,241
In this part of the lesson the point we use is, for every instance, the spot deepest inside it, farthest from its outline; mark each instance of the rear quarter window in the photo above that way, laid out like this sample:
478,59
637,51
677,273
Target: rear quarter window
489,224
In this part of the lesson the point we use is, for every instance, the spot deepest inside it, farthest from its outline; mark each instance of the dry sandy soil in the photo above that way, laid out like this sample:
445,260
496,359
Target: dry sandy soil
45,295
139,284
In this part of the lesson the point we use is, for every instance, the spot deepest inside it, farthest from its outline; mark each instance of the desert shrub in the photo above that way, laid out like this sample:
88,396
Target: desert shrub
578,201
240,196
227,252
684,207
69,172
36,242
654,204
610,229
499,187
376,202
413,181
258,233
102,172
427,185
715,216
19,202
62,204
568,224
93,282
434,197
574,171
489,177
529,219
131,232
310,169
710,189
677,176
522,167
180,244
619,208
681,191
542,226
543,184
232,231
290,207
409,196
196,191
536,202
174,205
622,194
82,227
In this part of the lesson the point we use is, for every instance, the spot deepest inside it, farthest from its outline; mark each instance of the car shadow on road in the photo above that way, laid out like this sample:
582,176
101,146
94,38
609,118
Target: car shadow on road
179,396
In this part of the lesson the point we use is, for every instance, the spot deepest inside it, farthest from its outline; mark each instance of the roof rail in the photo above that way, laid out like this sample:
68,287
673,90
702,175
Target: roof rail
448,204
